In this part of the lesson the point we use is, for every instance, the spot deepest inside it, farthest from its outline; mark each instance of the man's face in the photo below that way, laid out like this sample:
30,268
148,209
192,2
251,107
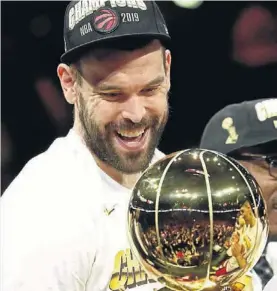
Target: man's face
268,184
245,213
241,221
122,105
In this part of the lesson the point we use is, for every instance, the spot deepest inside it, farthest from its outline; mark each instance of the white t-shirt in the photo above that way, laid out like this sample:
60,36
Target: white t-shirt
55,233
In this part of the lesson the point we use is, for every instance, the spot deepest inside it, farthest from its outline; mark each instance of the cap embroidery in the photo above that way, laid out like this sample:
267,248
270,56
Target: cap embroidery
267,109
228,125
105,20
84,8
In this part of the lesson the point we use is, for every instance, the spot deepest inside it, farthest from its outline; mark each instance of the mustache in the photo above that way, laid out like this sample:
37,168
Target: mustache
129,125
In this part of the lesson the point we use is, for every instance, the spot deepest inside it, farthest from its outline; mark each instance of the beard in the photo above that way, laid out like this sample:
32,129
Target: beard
101,141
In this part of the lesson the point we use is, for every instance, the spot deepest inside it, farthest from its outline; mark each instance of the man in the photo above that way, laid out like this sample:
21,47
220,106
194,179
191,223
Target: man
243,241
64,217
248,133
243,250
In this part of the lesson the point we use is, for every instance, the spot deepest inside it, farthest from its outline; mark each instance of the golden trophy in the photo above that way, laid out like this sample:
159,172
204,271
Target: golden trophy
197,220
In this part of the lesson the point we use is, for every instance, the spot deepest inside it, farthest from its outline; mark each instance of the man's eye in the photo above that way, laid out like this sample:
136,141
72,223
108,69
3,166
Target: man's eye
111,94
150,90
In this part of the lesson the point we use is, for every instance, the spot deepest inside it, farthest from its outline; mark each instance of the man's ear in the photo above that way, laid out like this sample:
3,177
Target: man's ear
67,80
168,67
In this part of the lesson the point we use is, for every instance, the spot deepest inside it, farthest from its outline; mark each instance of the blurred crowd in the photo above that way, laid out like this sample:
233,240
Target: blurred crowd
187,245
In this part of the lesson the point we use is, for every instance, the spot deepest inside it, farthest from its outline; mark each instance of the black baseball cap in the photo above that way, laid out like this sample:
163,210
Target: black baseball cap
240,125
91,22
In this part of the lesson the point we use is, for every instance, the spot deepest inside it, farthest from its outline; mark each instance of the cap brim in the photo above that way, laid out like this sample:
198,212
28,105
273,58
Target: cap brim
227,149
253,142
74,54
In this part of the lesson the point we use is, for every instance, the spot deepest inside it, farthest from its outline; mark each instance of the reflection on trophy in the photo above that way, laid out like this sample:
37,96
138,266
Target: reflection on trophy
197,220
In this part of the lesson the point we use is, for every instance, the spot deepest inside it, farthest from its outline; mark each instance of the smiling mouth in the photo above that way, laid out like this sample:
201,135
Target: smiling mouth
130,135
132,139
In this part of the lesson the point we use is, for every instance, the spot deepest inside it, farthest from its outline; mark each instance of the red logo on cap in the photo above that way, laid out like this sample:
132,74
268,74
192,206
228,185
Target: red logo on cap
105,20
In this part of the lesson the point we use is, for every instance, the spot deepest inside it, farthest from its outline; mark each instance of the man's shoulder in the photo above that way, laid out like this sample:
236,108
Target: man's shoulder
42,167
56,167
57,155
62,178
51,199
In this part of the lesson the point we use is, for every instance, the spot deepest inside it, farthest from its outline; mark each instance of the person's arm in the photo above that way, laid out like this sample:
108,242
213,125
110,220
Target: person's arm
237,252
241,261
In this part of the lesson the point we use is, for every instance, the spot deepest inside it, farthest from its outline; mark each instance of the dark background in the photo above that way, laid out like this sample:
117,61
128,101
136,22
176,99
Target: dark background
205,75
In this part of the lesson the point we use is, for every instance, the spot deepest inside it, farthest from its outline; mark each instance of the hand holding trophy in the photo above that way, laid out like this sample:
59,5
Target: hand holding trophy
197,221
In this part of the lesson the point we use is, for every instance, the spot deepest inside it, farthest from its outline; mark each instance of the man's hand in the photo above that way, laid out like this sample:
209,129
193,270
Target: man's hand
237,250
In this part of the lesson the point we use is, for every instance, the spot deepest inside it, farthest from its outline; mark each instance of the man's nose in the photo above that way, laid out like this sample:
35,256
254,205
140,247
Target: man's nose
133,109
